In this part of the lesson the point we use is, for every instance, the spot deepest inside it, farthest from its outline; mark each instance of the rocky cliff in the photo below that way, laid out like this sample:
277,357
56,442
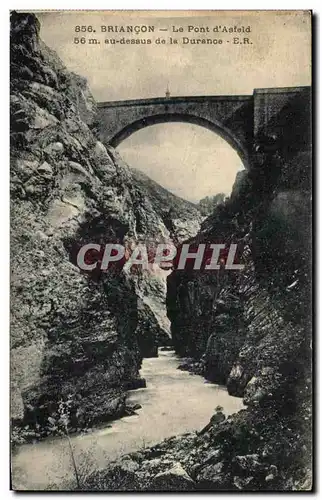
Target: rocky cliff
75,337
248,315
256,331
249,329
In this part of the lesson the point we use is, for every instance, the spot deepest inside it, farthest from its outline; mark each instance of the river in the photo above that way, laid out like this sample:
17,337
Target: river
174,402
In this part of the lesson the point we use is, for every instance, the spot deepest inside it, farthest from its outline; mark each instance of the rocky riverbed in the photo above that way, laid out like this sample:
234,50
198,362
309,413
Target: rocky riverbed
172,403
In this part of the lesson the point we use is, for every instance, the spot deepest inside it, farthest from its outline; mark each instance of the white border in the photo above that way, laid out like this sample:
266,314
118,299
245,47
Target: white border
4,182
161,5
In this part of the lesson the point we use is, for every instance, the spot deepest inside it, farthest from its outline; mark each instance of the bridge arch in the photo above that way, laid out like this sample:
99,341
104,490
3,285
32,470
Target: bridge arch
239,120
156,119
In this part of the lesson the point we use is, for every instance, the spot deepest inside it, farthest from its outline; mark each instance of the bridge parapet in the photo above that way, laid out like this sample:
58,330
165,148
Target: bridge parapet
173,100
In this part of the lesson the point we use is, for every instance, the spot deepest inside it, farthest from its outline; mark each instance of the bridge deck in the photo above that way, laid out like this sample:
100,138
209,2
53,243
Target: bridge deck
203,98
173,100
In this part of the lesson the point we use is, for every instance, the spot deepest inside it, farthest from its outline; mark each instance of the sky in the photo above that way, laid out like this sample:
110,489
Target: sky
187,159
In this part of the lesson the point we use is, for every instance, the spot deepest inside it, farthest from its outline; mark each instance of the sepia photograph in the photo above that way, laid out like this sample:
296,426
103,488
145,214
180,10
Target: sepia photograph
161,251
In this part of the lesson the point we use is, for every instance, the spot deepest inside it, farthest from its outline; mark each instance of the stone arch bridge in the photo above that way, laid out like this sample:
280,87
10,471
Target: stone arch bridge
240,120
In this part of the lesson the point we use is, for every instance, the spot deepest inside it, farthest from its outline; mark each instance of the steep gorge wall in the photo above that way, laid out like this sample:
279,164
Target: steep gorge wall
251,329
248,329
69,340
257,319
74,337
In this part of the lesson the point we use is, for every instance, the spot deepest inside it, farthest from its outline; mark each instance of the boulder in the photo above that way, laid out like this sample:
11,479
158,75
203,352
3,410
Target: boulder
54,149
243,483
129,466
213,477
45,170
174,479
212,457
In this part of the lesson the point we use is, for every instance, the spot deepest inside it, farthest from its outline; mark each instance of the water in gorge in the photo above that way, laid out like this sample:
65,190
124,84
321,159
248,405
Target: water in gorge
174,402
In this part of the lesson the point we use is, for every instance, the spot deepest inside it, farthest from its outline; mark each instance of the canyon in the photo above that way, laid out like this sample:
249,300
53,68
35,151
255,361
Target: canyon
81,337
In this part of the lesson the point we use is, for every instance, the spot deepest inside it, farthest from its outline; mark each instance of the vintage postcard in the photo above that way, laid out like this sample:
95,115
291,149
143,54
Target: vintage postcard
161,251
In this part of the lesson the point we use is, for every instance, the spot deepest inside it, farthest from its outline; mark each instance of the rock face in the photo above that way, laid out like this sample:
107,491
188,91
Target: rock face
251,329
74,337
255,322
